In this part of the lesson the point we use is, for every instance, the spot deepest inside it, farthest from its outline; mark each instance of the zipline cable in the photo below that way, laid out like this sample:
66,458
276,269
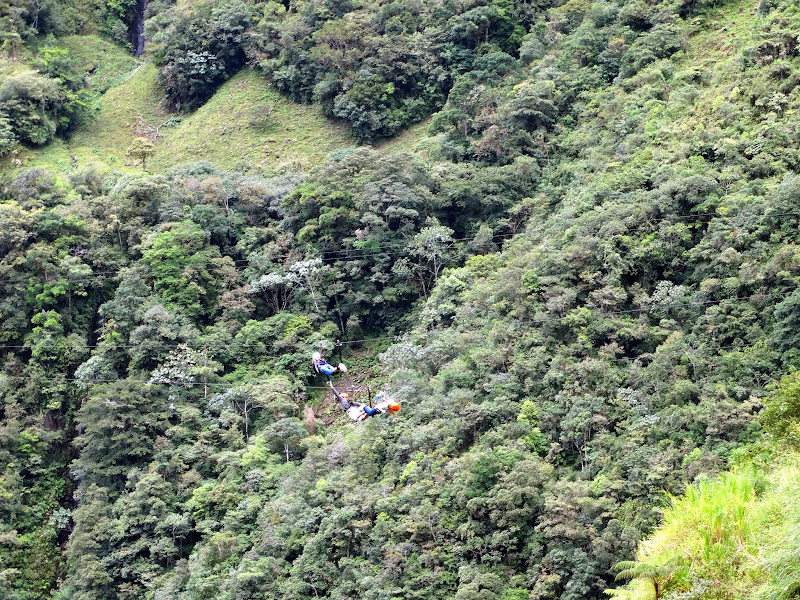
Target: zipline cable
351,256
196,346
398,337
228,384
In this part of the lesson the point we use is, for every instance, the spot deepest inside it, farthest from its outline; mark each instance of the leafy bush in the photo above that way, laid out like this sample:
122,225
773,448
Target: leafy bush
201,50
33,104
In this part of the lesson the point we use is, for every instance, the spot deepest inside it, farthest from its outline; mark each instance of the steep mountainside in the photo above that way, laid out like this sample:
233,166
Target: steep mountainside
576,269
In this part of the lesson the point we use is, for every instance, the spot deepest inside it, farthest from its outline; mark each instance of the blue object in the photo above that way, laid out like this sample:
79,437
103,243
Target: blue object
371,411
326,369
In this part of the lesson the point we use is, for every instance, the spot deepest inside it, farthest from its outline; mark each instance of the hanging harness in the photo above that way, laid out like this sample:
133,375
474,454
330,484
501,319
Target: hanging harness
358,411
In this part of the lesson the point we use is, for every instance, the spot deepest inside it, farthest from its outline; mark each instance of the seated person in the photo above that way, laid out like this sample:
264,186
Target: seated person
320,365
359,411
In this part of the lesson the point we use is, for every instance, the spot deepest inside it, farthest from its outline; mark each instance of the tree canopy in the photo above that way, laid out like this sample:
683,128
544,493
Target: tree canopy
582,288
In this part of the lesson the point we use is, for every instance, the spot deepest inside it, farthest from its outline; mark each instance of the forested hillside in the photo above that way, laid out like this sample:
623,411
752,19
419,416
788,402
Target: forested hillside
575,267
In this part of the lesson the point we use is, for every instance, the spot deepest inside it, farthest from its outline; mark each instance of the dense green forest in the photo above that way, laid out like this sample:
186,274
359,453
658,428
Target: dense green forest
562,235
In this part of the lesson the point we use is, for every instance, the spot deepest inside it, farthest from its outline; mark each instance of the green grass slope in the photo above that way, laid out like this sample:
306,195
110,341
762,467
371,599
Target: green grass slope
106,63
224,131
733,537
294,137
106,137
123,87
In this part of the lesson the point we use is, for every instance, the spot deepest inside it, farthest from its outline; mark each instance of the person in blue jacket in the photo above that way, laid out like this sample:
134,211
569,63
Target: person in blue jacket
320,365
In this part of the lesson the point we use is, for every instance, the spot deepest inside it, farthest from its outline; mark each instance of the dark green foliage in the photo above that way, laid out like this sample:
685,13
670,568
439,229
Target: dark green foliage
379,68
119,425
596,292
38,107
533,449
787,327
202,50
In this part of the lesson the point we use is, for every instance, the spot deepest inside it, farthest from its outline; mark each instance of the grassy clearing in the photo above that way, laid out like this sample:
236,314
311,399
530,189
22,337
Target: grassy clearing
414,140
224,131
98,141
723,32
106,64
294,137
105,139
12,67
737,537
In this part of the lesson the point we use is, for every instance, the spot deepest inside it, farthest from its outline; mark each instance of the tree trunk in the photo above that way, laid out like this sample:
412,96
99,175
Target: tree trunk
246,419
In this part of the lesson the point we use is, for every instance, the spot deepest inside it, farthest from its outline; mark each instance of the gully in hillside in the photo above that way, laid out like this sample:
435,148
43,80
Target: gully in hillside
137,28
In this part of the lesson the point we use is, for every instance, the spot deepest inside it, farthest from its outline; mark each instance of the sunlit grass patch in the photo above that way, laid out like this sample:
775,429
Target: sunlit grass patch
227,130
737,536
106,64
105,138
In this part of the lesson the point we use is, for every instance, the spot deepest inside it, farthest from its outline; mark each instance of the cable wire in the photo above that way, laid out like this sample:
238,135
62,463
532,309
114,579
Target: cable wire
398,337
228,384
201,346
352,257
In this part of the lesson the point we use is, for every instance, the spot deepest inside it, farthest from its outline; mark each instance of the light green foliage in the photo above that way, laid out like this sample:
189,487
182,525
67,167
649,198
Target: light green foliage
659,576
535,439
8,138
41,104
141,149
31,103
731,536
107,137
183,268
296,137
781,414
433,248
